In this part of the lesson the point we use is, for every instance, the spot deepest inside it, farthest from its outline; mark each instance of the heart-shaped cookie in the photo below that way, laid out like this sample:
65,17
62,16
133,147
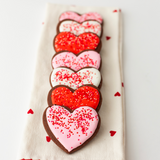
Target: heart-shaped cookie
79,28
72,79
80,18
66,41
71,131
88,58
83,96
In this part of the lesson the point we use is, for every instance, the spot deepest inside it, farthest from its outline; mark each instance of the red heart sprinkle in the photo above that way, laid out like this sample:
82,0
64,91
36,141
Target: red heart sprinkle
42,22
30,111
48,139
68,41
122,84
83,96
107,38
112,133
115,11
117,94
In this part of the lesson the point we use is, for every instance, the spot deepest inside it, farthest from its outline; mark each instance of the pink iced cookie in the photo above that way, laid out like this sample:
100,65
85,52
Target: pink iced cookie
81,18
85,59
70,130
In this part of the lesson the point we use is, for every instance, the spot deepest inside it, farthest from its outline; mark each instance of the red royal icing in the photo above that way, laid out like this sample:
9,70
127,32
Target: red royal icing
70,42
83,96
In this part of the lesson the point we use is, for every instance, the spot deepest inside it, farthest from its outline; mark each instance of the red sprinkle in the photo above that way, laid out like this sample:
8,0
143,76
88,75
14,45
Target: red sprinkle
115,10
30,111
117,94
107,37
112,133
48,139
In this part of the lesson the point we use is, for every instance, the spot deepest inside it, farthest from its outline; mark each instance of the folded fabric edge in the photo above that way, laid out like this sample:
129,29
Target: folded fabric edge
121,74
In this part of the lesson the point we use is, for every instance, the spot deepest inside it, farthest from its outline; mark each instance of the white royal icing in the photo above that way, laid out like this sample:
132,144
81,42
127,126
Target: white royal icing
65,76
79,28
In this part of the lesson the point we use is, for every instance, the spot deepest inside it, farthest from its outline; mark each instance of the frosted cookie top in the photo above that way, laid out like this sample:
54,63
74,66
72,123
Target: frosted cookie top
72,129
66,76
85,59
79,28
81,18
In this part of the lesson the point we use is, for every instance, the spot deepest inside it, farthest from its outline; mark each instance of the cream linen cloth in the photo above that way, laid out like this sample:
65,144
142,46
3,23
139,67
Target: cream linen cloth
104,146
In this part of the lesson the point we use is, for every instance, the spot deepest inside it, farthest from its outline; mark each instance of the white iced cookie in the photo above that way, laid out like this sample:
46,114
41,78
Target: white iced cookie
79,28
66,76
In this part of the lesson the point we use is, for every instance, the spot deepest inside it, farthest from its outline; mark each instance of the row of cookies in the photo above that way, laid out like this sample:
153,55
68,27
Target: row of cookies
71,120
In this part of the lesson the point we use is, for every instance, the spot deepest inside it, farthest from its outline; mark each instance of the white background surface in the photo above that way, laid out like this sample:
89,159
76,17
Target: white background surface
20,29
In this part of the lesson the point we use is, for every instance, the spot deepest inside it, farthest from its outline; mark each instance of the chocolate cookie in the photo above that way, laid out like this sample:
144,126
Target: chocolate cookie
86,95
75,79
87,58
71,130
66,41
77,28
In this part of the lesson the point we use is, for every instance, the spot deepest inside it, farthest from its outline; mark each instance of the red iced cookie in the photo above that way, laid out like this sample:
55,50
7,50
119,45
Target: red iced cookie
66,41
83,96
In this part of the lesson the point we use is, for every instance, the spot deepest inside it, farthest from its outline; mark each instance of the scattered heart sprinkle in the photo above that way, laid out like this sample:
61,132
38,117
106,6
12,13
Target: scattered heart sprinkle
115,10
48,139
30,111
117,94
112,133
107,38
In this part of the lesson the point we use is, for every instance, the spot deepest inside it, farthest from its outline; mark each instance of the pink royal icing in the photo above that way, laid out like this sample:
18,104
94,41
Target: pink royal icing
72,129
70,60
78,18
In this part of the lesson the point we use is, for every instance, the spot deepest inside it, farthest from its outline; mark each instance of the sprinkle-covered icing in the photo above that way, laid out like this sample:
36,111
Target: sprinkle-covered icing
70,60
72,129
65,76
68,41
83,96
78,18
77,29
